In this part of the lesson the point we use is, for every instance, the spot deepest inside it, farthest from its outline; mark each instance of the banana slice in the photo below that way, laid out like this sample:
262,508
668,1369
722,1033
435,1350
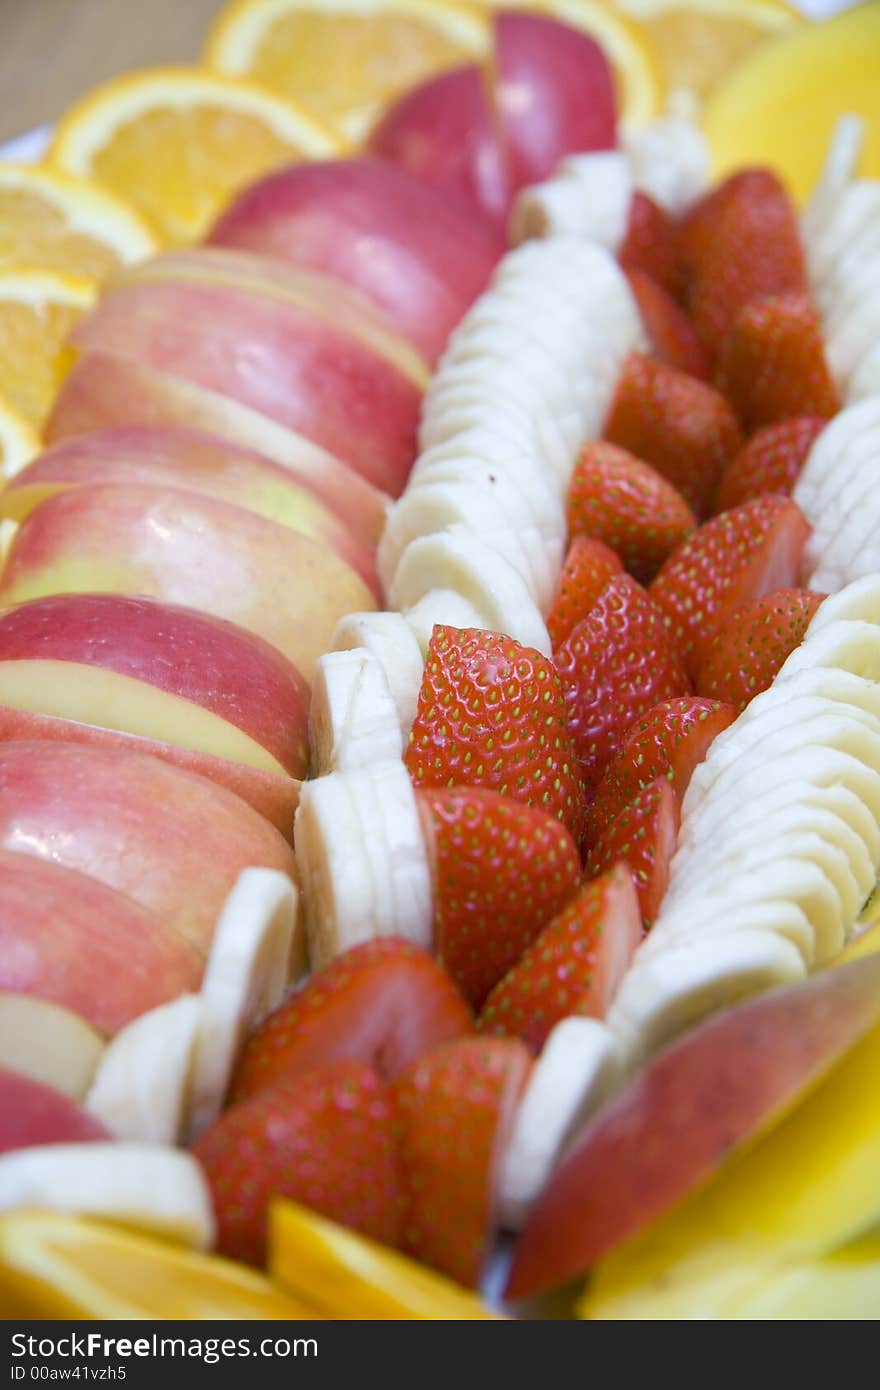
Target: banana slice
49,1043
667,992
460,560
588,196
838,172
865,380
362,859
443,606
845,446
841,654
857,602
158,1190
577,1070
483,454
714,915
353,719
141,1087
389,638
669,160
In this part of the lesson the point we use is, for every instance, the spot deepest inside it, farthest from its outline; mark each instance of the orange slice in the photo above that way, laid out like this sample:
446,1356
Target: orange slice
37,311
176,143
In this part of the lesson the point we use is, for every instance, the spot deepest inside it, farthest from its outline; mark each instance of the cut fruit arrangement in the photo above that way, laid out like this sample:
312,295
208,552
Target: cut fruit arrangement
538,902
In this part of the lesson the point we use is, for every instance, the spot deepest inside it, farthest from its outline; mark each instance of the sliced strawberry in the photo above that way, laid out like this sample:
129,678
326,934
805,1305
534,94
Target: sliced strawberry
325,1138
615,498
501,870
699,228
735,557
671,334
643,836
574,967
668,741
455,1109
772,363
771,461
743,658
384,1002
614,666
652,245
752,249
683,427
491,714
588,567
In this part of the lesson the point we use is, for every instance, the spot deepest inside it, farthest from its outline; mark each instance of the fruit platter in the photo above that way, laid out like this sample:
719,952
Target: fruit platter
440,671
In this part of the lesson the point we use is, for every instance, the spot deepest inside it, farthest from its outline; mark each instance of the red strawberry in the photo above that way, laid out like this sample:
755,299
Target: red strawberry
670,332
615,498
324,1138
588,567
733,558
501,870
668,741
574,967
642,836
743,658
683,427
384,1002
651,245
772,363
697,232
771,461
455,1109
614,666
751,249
491,714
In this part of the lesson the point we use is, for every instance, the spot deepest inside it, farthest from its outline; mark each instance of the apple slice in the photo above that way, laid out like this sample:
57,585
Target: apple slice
188,550
140,1090
32,1113
419,255
49,1043
171,840
715,1090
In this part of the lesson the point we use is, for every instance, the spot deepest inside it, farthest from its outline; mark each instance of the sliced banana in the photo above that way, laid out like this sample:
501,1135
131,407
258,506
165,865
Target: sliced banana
444,606
578,1068
857,602
362,860
846,443
837,174
390,639
712,914
669,160
353,719
865,380
159,1190
48,1043
484,454
588,196
141,1087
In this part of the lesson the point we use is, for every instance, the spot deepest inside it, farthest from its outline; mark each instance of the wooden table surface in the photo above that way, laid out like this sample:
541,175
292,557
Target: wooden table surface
52,51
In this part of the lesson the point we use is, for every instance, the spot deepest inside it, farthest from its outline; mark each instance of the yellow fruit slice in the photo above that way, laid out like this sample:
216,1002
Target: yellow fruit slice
59,223
806,1189
55,1266
346,60
19,442
346,1275
37,311
780,104
176,143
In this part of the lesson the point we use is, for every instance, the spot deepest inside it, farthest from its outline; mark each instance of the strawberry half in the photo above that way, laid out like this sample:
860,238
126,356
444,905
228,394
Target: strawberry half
588,567
615,498
651,245
384,1002
668,741
643,837
772,363
324,1138
699,228
455,1110
735,557
614,666
671,334
683,427
491,714
771,461
500,871
744,657
574,967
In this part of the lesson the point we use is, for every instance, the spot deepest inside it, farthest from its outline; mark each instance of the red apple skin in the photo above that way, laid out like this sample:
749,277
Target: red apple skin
285,360
71,940
190,550
206,660
105,392
717,1088
445,133
419,255
168,838
274,796
554,94
32,1113
198,462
